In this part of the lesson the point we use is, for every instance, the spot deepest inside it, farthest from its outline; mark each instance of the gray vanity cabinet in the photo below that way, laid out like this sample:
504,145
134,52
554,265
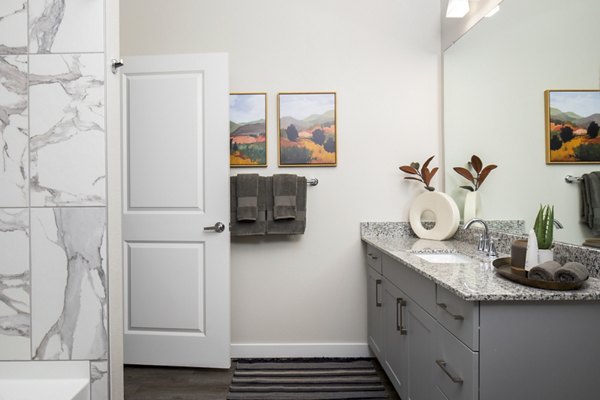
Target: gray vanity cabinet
556,343
434,345
375,311
408,333
421,352
411,345
395,337
456,372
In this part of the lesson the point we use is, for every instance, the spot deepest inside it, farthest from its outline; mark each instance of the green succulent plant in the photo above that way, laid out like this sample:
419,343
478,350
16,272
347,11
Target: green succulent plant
544,226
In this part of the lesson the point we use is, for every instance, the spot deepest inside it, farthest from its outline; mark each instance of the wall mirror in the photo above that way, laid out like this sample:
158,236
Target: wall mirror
494,82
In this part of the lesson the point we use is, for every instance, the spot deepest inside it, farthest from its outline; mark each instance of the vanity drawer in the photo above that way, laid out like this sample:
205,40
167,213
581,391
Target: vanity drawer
458,316
415,285
456,373
374,258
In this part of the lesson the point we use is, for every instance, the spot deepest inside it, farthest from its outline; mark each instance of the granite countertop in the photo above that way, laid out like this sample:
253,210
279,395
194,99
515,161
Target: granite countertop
474,281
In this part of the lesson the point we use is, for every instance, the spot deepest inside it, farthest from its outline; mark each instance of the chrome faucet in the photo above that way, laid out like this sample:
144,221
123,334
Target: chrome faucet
557,224
486,242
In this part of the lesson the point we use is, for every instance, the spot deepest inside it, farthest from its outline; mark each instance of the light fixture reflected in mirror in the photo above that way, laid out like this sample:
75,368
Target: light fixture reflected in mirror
493,12
457,8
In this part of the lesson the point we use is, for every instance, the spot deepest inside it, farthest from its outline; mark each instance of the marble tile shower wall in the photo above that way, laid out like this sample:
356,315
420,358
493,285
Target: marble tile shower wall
53,272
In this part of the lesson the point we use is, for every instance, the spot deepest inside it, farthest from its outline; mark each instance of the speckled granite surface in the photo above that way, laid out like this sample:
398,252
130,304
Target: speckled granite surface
475,281
402,229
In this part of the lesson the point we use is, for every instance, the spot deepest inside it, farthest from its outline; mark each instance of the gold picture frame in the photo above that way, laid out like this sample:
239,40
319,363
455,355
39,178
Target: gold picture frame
307,129
248,129
572,126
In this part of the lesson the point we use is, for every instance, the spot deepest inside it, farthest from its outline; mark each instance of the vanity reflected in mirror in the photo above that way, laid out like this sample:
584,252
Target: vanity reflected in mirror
494,82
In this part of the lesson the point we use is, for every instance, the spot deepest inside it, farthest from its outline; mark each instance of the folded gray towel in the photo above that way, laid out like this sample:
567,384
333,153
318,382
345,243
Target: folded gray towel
284,192
295,226
544,272
571,272
247,197
249,228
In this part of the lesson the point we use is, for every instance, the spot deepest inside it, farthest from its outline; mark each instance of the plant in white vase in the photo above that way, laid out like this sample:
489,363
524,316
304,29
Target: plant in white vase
544,232
424,175
480,173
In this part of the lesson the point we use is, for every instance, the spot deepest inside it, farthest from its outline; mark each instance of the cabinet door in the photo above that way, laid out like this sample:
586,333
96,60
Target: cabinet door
421,357
395,337
375,313
457,375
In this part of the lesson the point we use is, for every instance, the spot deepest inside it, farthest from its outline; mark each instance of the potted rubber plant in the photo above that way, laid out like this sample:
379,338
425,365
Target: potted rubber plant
444,209
476,175
423,175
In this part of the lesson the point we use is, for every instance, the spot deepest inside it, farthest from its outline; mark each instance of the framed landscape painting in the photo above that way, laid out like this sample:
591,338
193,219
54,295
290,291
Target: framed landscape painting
248,129
572,126
307,129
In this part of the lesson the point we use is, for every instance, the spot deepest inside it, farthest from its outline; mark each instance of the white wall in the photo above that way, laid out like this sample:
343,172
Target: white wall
494,83
383,60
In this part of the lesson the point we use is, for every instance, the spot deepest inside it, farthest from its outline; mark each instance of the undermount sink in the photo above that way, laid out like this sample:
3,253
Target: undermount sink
445,258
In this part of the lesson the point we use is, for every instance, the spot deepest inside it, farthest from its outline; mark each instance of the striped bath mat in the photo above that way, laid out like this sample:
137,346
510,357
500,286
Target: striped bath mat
321,379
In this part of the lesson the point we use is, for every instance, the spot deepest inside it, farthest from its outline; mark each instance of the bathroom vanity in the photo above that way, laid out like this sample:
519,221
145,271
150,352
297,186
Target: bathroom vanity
450,331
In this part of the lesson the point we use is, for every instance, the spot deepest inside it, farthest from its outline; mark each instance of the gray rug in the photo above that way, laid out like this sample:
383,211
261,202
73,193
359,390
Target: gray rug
321,379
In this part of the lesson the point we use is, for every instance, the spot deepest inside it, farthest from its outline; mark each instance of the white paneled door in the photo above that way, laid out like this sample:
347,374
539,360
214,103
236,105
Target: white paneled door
176,209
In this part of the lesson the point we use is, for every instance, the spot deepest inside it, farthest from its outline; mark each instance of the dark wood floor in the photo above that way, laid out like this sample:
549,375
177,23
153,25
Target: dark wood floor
169,383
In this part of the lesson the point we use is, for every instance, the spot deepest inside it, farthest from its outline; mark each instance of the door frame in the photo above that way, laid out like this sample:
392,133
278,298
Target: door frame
114,201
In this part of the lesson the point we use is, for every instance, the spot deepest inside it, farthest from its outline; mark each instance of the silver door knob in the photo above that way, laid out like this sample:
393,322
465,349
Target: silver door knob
218,227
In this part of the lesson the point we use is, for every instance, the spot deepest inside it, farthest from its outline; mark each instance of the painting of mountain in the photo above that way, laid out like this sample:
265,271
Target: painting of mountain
307,129
247,130
572,126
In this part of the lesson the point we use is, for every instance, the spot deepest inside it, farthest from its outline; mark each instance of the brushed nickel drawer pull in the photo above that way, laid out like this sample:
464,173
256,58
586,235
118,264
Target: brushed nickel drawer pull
444,307
399,324
377,301
442,364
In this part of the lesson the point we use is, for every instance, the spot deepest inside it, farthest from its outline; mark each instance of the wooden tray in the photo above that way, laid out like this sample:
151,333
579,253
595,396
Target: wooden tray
503,268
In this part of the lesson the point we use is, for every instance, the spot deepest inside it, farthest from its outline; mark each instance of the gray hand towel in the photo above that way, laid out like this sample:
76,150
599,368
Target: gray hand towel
249,228
590,201
571,272
285,196
544,272
295,226
594,198
585,209
247,197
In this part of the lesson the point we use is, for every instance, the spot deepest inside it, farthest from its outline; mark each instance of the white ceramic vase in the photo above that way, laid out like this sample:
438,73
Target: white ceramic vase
471,206
442,207
545,255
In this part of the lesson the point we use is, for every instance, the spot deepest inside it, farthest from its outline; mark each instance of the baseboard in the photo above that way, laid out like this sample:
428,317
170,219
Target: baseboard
299,350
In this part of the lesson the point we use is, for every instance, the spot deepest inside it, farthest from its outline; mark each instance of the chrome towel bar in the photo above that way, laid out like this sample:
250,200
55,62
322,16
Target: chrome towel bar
573,179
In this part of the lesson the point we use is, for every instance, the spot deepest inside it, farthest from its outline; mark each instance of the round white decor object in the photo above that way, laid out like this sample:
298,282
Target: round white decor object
446,214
